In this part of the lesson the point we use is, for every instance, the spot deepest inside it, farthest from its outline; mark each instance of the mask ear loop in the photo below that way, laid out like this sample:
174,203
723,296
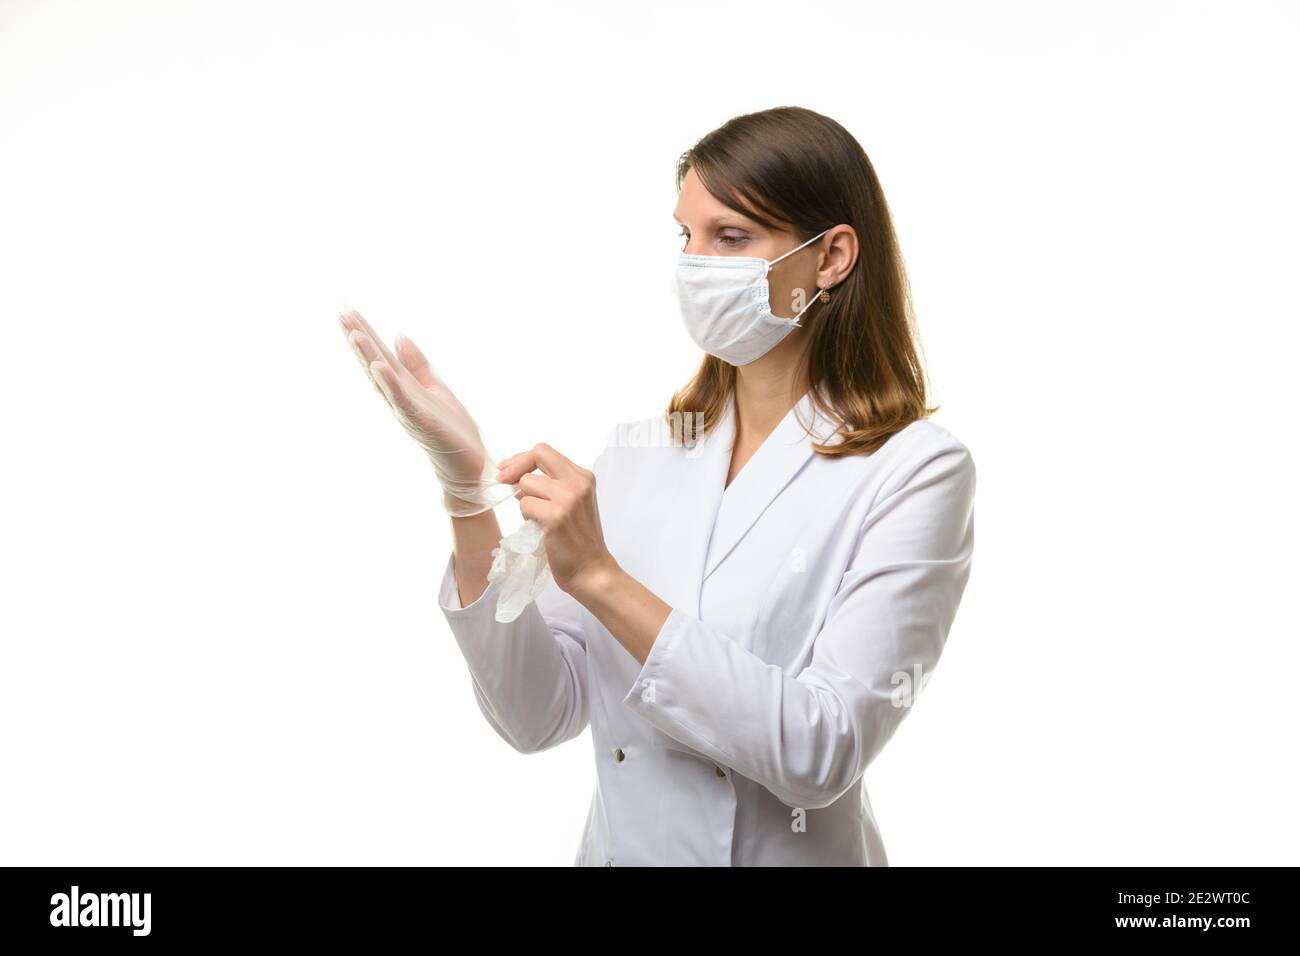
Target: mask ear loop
798,247
822,296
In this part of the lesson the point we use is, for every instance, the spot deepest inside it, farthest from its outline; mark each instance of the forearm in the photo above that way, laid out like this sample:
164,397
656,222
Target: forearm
812,760
630,611
529,675
473,540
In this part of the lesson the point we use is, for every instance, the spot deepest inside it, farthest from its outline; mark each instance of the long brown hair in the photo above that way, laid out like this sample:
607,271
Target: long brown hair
793,168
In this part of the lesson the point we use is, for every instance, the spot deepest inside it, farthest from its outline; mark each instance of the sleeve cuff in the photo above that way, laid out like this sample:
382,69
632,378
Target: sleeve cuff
449,594
652,680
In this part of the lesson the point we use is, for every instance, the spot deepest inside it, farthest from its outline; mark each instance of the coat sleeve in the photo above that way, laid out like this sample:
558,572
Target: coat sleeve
808,737
529,676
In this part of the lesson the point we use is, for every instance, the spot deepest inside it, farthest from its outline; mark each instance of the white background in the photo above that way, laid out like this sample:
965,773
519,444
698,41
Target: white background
221,642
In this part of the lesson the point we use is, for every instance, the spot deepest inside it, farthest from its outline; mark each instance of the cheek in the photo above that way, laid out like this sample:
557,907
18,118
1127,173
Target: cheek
787,296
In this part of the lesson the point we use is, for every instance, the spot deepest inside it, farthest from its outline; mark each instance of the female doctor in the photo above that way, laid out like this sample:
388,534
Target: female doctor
747,596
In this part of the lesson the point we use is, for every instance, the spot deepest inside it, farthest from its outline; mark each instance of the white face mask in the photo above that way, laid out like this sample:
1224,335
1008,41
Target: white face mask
725,304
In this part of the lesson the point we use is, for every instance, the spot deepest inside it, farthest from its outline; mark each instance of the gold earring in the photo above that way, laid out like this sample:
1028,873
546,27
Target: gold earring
825,296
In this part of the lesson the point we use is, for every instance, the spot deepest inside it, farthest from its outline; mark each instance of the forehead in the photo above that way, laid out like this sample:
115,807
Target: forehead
697,206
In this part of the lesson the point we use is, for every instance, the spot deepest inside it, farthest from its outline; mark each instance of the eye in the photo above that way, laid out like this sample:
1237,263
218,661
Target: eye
732,241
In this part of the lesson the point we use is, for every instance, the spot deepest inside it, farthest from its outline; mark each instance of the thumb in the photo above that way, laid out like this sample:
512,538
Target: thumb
409,354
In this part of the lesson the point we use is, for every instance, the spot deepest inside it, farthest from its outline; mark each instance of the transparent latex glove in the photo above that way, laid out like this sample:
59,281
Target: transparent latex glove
432,415
520,564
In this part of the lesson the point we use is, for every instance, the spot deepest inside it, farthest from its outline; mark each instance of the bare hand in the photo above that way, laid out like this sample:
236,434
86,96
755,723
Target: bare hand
561,497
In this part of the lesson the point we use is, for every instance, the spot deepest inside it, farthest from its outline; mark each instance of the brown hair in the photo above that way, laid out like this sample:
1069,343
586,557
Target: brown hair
793,168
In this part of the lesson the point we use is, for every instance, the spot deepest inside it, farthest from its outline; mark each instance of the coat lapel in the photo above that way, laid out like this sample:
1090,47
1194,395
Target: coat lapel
778,459
702,514
710,519
696,487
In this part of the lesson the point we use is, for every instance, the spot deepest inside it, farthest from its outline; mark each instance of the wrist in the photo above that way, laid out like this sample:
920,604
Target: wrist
459,507
598,578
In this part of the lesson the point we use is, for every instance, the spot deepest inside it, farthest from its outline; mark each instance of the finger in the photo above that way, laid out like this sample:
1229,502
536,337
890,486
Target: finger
364,347
552,462
392,387
366,353
409,354
540,456
415,362
540,486
537,509
356,321
516,466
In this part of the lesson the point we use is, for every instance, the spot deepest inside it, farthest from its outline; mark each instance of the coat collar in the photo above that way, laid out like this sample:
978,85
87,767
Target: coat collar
716,516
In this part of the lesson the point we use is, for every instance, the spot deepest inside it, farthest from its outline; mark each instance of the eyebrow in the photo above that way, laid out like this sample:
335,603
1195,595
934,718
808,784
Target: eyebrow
722,217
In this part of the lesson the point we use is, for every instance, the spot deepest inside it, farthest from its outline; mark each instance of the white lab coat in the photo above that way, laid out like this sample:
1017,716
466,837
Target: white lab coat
811,600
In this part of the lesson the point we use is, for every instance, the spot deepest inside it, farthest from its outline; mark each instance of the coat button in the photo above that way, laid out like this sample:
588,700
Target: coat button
618,754
721,772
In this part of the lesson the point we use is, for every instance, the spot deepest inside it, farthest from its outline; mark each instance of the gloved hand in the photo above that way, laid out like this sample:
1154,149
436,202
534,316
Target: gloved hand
432,415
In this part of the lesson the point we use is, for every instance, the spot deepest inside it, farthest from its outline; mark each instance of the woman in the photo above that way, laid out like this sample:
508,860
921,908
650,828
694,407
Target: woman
745,598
